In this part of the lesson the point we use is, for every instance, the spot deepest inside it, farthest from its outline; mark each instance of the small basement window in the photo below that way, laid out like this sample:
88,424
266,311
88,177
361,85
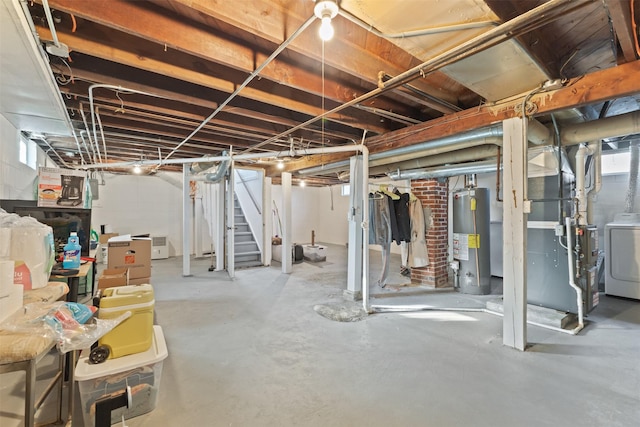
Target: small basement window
616,163
345,190
27,152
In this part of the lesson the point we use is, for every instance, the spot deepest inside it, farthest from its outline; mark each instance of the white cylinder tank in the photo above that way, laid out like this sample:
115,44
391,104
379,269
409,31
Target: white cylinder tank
471,240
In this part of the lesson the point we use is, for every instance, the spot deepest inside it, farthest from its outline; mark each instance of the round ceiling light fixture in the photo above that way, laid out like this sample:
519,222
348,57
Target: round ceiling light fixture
326,10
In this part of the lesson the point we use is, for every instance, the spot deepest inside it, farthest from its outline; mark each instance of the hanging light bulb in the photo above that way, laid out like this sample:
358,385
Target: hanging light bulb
137,169
326,10
302,183
326,29
280,164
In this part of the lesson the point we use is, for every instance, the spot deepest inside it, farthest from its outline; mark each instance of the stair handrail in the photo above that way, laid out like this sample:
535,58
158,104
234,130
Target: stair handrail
251,196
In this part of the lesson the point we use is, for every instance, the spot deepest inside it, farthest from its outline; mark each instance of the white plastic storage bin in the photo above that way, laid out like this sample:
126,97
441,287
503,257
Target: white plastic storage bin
141,371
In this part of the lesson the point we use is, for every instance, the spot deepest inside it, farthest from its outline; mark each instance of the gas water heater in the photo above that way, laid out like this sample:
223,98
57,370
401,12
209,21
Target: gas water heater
471,248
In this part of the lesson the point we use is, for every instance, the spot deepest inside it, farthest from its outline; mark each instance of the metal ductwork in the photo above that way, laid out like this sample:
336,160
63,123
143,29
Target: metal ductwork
405,157
459,156
445,171
219,173
538,135
438,146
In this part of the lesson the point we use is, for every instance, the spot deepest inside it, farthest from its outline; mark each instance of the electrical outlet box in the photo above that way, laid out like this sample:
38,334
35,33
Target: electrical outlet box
559,228
552,84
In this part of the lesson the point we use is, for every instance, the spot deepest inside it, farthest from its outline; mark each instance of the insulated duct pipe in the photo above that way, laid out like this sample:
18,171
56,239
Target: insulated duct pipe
438,146
216,176
458,156
445,171
634,148
538,135
610,127
212,177
581,195
596,148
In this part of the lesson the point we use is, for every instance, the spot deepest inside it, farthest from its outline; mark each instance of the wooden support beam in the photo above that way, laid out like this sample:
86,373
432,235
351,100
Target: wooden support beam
361,54
596,87
192,71
620,12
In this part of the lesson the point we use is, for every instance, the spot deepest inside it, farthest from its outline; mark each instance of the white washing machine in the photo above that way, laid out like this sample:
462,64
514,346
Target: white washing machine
622,256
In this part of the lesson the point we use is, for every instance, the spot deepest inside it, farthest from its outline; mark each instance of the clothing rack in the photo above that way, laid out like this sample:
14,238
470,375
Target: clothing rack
400,187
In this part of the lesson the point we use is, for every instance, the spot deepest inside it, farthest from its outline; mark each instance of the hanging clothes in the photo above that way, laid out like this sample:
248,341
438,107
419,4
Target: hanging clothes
418,254
403,219
380,231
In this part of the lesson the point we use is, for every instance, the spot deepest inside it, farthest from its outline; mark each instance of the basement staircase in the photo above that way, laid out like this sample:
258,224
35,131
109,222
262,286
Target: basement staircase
246,252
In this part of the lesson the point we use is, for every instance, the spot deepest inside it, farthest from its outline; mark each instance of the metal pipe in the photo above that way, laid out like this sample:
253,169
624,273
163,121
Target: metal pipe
623,124
570,264
75,137
91,108
458,156
365,226
96,149
52,28
389,115
477,44
244,84
445,171
416,33
490,135
104,142
65,164
498,162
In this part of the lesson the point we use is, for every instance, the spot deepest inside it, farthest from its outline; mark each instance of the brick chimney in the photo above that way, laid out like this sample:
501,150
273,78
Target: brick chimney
433,195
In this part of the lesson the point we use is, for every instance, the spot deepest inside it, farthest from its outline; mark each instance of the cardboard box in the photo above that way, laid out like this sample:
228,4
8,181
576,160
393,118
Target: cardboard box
112,277
140,281
134,255
104,238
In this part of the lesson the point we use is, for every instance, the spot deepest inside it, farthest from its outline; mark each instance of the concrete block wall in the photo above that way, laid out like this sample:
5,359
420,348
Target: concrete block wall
435,201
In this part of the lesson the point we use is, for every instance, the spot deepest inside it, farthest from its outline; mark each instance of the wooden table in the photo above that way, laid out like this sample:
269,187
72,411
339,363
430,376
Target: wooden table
86,270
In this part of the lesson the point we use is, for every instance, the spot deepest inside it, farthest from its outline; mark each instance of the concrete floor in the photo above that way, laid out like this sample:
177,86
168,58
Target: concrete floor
253,352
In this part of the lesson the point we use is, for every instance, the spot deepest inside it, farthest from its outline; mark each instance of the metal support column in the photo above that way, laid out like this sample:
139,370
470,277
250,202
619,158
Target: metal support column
186,222
287,229
220,223
354,270
231,224
267,221
515,209
197,227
